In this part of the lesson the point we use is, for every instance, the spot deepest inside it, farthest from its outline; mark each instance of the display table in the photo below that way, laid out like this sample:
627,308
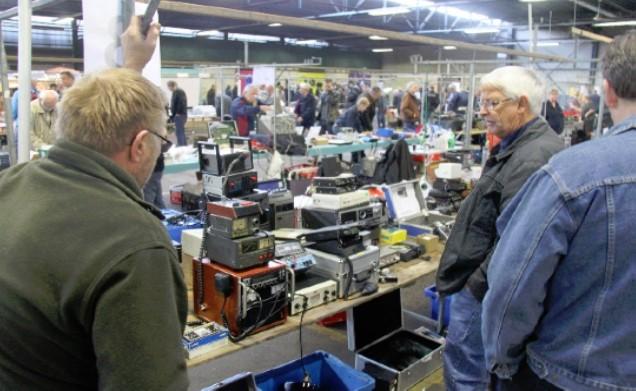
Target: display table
333,149
407,273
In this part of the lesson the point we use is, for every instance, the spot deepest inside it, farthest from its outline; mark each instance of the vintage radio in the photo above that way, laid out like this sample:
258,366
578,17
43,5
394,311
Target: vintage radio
364,215
354,273
236,185
281,209
336,181
397,358
233,218
214,160
240,253
244,301
311,290
340,201
294,255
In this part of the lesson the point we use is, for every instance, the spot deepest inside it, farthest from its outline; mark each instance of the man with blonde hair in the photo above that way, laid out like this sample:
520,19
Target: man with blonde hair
43,117
510,104
93,295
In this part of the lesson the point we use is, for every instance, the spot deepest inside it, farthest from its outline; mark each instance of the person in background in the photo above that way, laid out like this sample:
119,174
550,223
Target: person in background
453,99
98,299
210,97
352,117
559,312
67,80
15,100
510,102
305,107
410,107
372,95
328,112
235,93
244,110
380,108
43,118
553,113
432,101
153,192
178,111
222,104
397,100
353,93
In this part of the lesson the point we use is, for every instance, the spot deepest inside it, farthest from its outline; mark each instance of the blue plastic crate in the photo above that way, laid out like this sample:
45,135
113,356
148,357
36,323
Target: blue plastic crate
325,370
183,221
242,382
431,293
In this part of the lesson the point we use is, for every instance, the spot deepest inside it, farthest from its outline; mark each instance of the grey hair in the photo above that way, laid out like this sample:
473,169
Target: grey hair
619,65
48,93
515,82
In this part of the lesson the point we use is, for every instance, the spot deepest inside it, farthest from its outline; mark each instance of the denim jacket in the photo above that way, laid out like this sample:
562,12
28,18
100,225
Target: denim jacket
562,280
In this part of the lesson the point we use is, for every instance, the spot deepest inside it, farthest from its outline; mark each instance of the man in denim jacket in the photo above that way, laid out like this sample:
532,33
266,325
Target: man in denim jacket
560,311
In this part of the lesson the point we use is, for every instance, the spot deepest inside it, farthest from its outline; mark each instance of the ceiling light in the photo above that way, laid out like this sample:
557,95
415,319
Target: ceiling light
547,44
532,1
502,55
414,3
177,32
64,21
618,23
388,11
386,50
183,75
450,47
481,30
209,33
275,25
252,38
377,38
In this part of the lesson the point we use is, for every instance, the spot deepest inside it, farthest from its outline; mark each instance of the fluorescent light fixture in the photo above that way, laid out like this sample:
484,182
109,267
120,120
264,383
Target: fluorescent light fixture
252,38
450,11
385,50
502,55
43,19
414,3
547,44
178,32
183,75
377,38
388,11
64,21
618,23
204,76
275,25
532,1
306,42
481,30
210,33
450,47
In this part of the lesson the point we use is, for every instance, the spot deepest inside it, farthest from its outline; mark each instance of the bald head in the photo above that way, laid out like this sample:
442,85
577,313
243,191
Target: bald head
250,92
48,99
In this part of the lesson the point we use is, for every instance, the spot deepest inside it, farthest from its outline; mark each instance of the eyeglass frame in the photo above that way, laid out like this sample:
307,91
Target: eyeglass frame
490,106
165,145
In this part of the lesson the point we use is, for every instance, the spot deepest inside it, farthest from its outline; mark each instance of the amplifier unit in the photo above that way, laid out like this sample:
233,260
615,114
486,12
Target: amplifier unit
340,201
233,218
365,215
334,190
216,161
336,181
281,209
312,290
256,298
236,185
240,253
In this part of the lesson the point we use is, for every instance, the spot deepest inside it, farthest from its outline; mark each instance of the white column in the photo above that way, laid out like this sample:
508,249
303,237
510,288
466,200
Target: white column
24,77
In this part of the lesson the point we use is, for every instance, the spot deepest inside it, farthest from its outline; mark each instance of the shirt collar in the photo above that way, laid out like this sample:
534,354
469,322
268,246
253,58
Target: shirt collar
627,124
509,139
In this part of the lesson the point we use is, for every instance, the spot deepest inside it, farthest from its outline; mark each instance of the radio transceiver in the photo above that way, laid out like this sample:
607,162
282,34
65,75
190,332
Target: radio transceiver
236,185
312,290
244,301
363,215
281,209
216,161
240,253
334,190
233,218
336,181
340,201
294,255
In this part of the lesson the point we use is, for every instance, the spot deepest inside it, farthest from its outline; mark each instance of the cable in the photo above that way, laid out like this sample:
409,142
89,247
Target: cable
300,332
349,277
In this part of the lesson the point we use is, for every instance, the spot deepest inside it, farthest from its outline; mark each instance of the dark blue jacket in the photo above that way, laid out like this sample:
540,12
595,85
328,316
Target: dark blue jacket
554,116
306,109
244,114
351,118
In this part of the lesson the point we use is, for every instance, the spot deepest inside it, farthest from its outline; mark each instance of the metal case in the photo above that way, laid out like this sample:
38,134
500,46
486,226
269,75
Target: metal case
240,253
406,205
281,209
365,264
368,215
395,357
236,185
312,290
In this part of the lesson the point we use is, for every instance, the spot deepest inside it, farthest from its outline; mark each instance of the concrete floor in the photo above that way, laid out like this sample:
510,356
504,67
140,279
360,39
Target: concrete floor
315,337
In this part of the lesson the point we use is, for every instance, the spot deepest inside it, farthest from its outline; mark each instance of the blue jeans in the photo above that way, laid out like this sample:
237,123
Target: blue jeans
179,124
464,360
152,190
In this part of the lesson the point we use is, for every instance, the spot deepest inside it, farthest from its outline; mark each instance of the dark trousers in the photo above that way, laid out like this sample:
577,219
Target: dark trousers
152,190
179,124
524,380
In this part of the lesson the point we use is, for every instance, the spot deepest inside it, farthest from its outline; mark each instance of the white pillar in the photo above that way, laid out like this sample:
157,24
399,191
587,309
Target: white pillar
24,77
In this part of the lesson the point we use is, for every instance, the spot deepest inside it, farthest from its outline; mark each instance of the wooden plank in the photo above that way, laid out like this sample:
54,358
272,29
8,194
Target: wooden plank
407,274
591,35
264,18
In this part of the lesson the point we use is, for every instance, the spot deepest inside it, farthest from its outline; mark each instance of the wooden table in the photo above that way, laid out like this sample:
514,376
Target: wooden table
407,273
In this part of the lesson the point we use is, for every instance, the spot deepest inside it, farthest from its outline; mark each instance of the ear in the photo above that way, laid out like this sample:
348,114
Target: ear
524,105
611,99
139,146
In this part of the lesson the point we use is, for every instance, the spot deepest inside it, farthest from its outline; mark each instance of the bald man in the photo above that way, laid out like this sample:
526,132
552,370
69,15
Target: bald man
43,117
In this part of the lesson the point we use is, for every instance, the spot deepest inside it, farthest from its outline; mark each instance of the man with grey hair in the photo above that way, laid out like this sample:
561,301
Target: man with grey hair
560,309
510,104
245,108
305,109
43,118
93,294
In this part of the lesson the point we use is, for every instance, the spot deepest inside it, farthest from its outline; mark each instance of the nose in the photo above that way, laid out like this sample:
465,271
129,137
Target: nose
482,111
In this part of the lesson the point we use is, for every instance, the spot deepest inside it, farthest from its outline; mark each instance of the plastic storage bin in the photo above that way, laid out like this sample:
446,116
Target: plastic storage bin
431,293
325,370
242,382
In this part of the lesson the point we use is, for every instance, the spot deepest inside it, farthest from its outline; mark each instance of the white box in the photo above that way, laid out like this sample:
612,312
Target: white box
340,201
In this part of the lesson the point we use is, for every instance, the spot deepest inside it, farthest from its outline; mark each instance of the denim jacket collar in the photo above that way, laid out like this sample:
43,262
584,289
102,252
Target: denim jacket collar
626,125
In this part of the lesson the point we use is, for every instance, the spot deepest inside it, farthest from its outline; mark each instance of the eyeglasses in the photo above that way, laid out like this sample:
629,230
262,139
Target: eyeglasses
492,104
165,143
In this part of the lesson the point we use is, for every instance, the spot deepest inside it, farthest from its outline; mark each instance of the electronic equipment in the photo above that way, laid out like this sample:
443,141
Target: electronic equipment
220,132
245,301
353,273
294,255
388,256
233,218
220,162
312,290
151,9
364,215
340,201
334,190
203,338
281,209
336,240
336,181
240,253
236,185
